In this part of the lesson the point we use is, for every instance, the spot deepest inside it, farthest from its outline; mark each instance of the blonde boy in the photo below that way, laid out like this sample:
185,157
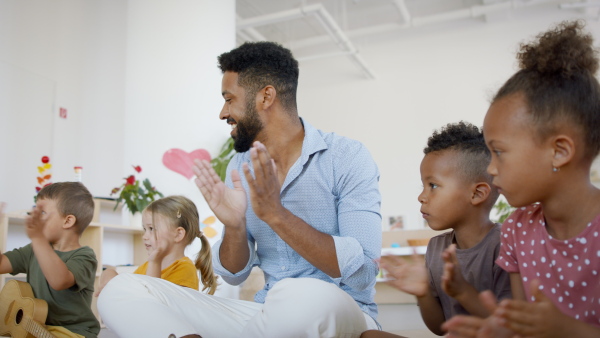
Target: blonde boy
59,270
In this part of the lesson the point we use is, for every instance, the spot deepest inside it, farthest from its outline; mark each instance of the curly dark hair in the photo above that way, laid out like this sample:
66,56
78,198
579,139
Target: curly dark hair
467,140
557,78
263,63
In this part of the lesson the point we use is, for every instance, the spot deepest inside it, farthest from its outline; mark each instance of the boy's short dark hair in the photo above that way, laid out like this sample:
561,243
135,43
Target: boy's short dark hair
72,198
467,140
263,63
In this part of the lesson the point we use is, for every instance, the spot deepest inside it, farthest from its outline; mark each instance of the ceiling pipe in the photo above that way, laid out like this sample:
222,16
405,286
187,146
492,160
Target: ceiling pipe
324,18
323,56
583,5
250,34
467,13
404,13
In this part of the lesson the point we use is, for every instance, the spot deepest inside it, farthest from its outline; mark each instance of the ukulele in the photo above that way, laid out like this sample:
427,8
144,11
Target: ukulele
21,314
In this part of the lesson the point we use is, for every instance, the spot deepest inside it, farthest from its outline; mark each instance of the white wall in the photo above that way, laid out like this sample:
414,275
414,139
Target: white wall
76,48
136,77
426,77
174,86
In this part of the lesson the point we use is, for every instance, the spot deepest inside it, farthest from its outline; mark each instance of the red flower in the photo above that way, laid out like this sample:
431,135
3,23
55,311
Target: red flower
45,159
37,189
130,180
137,168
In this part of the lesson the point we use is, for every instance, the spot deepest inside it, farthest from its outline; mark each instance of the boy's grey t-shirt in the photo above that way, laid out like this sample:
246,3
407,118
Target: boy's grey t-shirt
70,308
477,266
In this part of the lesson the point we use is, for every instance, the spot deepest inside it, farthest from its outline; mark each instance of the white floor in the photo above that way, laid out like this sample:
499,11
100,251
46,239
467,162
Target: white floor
402,319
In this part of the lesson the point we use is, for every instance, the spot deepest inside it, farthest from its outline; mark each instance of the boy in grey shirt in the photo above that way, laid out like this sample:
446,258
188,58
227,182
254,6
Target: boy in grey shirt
457,194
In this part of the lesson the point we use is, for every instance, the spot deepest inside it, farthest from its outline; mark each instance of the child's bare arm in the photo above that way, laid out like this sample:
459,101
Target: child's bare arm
455,285
105,277
412,277
5,266
54,269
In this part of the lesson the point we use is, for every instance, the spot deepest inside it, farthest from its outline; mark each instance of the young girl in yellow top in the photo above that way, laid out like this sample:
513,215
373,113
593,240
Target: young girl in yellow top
171,224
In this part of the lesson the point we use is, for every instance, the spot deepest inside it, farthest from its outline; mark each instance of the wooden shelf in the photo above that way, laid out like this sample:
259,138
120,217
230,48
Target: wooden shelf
404,251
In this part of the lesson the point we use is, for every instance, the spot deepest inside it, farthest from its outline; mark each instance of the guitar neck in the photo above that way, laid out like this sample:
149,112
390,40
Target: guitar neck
36,329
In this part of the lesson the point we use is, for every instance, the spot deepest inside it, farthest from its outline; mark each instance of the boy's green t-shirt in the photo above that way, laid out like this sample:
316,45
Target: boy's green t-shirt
70,308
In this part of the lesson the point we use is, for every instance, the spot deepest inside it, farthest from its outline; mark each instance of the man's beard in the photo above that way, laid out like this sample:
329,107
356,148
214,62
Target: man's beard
248,128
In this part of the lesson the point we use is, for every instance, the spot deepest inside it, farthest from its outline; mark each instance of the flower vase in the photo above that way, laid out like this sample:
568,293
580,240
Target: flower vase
135,220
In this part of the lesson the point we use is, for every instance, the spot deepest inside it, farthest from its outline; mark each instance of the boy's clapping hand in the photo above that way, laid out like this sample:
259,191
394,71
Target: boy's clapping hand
465,326
34,224
408,276
453,282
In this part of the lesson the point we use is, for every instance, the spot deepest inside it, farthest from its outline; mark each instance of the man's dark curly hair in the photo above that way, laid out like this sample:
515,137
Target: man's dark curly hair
259,64
557,79
473,156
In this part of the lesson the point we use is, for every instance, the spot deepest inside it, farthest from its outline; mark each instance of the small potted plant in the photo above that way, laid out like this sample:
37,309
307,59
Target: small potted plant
135,195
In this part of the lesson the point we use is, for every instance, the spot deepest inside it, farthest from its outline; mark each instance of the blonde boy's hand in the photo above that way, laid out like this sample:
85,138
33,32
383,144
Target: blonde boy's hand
35,224
453,282
105,277
408,276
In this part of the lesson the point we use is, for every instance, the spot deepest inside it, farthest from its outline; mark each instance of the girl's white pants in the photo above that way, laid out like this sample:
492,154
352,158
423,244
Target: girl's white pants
141,306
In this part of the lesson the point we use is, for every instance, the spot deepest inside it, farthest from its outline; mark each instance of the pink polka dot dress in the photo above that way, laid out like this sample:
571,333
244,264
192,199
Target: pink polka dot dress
568,270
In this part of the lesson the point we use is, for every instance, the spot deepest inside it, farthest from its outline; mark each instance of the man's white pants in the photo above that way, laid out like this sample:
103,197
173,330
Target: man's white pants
141,306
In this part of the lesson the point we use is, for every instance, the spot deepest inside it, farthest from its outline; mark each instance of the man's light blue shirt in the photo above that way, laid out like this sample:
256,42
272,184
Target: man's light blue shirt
333,186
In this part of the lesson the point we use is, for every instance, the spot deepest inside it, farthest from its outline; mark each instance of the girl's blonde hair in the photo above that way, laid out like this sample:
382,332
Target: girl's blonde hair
182,212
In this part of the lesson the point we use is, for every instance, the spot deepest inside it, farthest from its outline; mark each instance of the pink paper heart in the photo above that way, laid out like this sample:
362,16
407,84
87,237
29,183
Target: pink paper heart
181,162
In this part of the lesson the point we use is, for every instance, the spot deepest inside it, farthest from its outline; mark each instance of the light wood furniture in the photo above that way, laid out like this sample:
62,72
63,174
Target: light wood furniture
384,293
93,236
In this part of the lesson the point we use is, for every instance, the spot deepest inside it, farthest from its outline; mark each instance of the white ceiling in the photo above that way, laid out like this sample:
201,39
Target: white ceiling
328,27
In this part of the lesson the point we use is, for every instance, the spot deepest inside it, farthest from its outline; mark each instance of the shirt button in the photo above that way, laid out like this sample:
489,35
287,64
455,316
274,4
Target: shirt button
282,268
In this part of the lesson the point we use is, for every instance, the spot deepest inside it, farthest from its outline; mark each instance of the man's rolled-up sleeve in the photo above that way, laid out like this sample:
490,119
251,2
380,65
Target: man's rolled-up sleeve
358,245
234,278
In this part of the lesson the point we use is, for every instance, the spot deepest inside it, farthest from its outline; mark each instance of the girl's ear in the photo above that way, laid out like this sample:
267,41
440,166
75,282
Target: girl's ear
563,149
69,222
180,234
480,193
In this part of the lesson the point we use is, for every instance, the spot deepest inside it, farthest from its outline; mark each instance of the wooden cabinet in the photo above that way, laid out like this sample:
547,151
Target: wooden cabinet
384,293
102,235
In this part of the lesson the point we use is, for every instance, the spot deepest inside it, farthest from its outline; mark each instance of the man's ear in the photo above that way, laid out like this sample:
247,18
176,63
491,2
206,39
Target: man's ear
69,222
563,150
180,234
480,192
267,97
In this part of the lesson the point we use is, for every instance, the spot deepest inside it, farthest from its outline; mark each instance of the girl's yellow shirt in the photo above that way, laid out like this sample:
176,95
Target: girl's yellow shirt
182,272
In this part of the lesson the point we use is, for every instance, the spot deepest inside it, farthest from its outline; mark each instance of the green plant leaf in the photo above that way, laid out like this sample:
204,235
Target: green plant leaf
220,162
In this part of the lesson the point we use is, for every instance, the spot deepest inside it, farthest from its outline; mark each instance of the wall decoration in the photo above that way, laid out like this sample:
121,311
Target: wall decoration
181,161
397,222
45,175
